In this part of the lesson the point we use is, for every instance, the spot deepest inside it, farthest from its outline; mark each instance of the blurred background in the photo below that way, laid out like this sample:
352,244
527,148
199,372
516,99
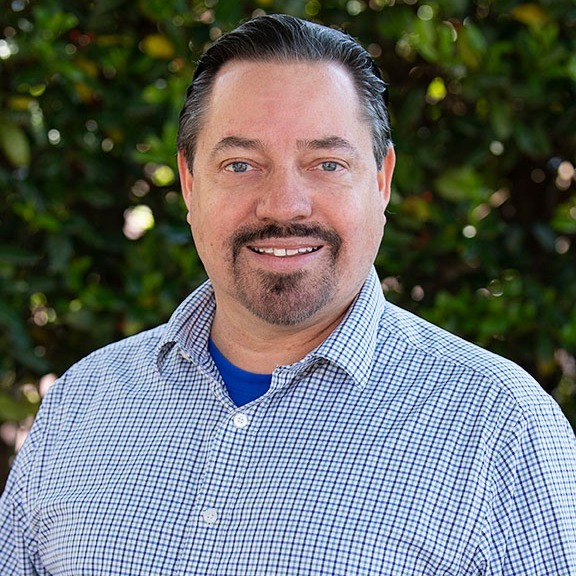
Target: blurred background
481,235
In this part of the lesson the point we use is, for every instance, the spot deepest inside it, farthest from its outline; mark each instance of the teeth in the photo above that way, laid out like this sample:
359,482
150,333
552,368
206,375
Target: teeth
283,252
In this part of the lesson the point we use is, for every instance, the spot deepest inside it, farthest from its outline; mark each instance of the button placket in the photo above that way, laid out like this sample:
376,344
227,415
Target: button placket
227,452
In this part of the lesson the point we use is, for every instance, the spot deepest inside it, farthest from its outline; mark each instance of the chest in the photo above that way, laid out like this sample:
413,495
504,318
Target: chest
296,483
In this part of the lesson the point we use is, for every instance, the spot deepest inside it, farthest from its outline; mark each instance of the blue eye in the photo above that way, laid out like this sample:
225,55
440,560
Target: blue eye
329,166
238,167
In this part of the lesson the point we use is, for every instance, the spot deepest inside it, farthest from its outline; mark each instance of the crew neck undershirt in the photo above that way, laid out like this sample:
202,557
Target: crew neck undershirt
242,386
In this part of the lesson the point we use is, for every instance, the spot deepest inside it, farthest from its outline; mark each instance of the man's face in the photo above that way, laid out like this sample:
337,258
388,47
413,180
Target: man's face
286,203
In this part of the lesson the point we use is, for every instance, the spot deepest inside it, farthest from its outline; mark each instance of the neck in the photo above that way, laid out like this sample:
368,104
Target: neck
257,346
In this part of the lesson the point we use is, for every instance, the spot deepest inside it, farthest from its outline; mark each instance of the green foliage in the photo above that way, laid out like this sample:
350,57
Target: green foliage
94,245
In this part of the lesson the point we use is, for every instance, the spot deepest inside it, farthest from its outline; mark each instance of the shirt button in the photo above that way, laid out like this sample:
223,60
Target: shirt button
210,516
240,420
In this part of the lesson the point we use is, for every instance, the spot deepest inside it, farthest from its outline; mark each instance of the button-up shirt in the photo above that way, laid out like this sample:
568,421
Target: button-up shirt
393,448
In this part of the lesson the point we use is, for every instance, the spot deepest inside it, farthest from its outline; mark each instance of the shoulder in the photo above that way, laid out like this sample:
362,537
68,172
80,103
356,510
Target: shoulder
128,353
133,360
470,369
103,377
110,370
476,394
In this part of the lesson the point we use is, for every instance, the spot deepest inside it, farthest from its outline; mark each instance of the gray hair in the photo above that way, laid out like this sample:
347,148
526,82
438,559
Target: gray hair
285,38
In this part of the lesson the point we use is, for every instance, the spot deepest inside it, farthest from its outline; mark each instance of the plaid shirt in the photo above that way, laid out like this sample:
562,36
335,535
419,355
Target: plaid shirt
394,448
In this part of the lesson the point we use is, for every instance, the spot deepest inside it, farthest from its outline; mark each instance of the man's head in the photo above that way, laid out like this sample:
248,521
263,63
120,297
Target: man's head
282,38
285,166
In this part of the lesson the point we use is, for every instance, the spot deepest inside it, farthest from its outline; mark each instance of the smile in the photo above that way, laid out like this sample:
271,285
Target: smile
284,252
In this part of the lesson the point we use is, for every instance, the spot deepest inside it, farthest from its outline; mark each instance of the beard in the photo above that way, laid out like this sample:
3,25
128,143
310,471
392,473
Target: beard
285,299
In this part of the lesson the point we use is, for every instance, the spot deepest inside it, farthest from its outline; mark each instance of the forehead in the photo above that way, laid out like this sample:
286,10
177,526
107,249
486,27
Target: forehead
313,77
278,96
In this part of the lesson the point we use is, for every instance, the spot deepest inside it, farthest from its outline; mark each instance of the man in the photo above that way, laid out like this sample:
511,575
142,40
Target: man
287,420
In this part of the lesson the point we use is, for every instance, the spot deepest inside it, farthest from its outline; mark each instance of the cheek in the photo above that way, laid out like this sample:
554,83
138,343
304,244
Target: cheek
212,227
365,234
207,239
365,220
203,234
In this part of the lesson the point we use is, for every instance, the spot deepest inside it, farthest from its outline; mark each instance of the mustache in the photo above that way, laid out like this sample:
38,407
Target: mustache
249,234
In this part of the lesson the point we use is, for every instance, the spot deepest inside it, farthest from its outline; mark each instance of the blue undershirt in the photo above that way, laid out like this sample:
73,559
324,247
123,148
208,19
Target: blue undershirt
242,386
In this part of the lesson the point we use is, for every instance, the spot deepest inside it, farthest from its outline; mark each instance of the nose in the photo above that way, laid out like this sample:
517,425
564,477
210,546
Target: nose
285,197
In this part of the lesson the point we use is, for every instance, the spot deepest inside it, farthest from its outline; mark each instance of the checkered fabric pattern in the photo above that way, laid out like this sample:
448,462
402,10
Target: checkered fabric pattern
394,448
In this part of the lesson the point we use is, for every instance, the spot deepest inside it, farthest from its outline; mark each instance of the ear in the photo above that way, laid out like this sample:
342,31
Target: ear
186,180
385,175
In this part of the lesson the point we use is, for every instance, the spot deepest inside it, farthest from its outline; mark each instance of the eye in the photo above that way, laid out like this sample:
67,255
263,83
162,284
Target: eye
238,167
329,166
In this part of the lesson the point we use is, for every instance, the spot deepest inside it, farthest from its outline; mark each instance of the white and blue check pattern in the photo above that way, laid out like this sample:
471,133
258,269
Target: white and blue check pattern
394,448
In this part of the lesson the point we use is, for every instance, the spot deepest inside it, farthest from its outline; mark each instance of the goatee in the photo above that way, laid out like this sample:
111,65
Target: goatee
286,298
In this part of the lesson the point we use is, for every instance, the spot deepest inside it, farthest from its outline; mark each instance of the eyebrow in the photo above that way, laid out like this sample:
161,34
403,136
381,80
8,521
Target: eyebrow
328,143
237,142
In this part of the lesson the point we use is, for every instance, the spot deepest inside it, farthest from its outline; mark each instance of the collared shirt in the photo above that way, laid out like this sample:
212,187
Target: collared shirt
394,448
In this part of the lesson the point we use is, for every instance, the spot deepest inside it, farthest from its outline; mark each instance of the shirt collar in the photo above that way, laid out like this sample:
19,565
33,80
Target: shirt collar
351,346
189,327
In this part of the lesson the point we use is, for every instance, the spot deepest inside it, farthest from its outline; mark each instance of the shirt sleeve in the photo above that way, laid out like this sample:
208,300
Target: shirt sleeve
539,510
18,551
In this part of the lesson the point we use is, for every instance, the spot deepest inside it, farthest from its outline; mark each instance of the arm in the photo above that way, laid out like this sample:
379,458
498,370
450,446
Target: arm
538,507
18,551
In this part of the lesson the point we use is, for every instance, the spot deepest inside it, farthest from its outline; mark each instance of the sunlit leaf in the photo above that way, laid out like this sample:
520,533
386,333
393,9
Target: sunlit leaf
436,90
14,144
20,102
532,14
157,46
